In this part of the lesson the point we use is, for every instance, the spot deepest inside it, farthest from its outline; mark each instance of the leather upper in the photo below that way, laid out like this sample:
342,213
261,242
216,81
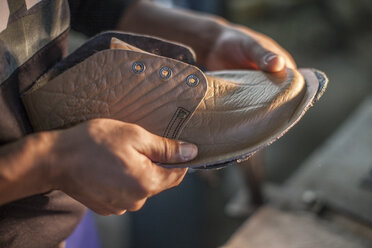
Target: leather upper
241,110
106,85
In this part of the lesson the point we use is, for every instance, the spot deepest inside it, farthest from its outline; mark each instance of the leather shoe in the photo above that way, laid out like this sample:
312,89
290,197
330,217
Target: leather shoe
229,115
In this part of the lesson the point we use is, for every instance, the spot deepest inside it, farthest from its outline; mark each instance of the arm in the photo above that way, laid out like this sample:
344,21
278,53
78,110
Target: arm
23,169
217,43
107,165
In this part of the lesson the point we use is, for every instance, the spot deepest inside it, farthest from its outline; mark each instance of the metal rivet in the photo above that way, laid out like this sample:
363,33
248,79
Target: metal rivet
138,67
165,72
192,80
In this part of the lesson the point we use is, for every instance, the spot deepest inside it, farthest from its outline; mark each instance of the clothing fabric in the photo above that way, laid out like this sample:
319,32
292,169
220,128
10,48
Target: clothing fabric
33,38
93,16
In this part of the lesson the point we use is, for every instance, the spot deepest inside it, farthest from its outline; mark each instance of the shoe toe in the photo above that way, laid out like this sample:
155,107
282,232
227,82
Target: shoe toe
244,111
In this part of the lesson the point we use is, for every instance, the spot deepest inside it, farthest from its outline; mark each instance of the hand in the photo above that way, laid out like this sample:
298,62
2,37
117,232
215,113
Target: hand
109,166
238,47
218,44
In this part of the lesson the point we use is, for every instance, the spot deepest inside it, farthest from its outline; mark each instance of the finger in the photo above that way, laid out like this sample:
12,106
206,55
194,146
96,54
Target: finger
263,58
137,205
167,178
156,179
121,212
164,150
101,210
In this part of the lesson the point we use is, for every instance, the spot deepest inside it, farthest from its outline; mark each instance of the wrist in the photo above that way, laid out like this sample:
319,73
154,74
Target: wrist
44,159
55,158
24,167
206,37
196,30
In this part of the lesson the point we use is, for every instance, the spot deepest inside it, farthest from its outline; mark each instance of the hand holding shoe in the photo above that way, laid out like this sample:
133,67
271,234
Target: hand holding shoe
229,115
109,166
218,44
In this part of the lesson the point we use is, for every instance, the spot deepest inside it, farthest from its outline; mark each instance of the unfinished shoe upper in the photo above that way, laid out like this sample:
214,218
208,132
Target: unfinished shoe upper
244,111
228,114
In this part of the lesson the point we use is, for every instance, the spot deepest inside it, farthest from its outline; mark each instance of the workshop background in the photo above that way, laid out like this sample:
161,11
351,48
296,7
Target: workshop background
334,36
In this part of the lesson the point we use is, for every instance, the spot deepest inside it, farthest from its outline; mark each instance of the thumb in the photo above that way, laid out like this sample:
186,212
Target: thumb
164,150
263,58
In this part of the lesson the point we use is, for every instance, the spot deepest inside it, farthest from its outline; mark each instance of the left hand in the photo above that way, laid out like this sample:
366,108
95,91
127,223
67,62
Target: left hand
238,47
218,44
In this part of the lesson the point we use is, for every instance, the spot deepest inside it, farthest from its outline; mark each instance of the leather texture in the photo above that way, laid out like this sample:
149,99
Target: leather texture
241,111
228,114
106,86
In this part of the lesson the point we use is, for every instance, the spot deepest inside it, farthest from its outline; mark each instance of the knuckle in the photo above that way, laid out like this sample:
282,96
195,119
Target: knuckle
137,205
136,131
120,212
168,149
142,190
151,189
102,212
178,182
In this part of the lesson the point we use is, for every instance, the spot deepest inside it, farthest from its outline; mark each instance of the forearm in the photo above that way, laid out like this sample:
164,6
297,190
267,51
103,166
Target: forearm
195,30
24,167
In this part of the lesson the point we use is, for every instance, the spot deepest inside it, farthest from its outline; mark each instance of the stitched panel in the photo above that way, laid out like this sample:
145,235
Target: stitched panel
176,123
104,85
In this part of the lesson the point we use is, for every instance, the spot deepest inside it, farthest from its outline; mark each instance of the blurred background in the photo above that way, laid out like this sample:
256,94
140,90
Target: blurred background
334,36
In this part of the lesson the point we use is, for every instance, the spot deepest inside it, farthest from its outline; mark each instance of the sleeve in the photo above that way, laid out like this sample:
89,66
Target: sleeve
93,16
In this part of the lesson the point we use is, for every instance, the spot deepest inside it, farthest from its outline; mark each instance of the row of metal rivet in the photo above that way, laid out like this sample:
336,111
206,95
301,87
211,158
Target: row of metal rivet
165,73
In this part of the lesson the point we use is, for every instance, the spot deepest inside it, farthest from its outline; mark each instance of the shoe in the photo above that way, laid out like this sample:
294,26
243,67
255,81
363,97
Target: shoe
229,115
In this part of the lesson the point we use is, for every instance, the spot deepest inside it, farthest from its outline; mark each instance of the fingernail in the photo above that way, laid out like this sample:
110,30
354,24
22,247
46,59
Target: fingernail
270,57
274,63
188,151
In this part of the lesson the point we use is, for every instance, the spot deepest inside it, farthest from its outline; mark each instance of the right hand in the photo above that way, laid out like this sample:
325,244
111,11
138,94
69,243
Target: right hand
109,165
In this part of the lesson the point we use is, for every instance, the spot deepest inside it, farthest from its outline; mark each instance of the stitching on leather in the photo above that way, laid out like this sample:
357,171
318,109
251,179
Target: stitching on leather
170,124
173,121
175,133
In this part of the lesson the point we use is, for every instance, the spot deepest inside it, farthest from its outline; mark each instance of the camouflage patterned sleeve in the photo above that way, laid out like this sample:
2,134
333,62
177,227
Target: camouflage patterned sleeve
93,16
